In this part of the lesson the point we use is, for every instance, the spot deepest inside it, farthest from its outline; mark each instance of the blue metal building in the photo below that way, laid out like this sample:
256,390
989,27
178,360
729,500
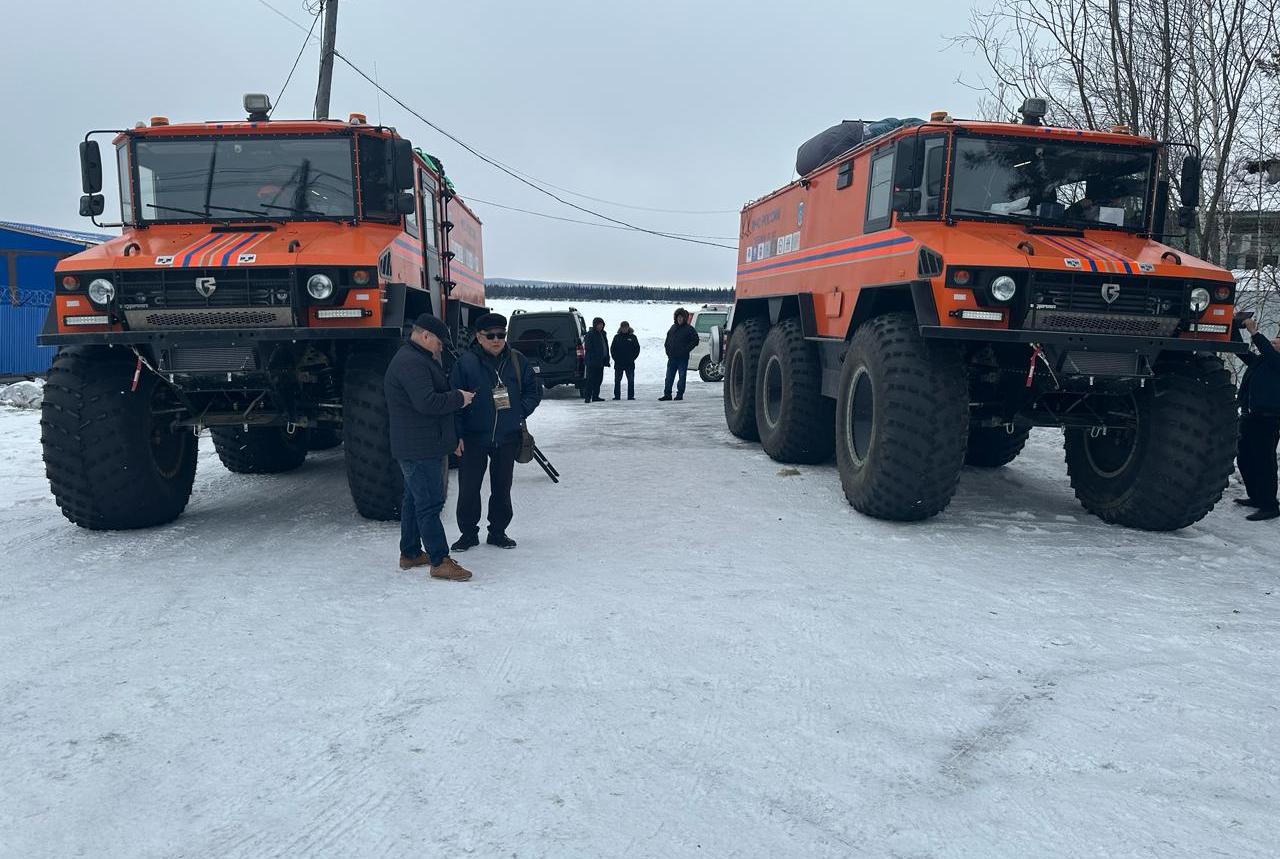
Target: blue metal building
28,254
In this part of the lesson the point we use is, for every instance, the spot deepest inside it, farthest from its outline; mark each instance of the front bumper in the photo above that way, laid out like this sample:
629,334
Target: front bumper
219,336
1149,346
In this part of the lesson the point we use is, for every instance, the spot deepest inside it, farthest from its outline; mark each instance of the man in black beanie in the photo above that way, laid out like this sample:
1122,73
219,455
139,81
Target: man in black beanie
507,391
420,410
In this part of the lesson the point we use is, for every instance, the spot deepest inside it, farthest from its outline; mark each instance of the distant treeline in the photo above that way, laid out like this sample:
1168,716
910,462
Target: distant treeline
597,292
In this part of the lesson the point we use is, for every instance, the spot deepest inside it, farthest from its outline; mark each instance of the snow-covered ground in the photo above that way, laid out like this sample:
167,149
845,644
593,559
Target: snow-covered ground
694,652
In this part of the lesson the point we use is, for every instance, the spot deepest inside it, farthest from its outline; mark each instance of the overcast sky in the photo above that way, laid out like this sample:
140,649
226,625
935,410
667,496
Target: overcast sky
667,104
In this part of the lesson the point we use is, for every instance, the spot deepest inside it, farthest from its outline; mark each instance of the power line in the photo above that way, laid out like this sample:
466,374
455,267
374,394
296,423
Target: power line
305,41
514,174
580,221
627,205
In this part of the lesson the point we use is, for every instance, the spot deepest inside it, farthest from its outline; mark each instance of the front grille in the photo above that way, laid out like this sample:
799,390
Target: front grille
222,359
1104,323
140,319
175,288
1088,293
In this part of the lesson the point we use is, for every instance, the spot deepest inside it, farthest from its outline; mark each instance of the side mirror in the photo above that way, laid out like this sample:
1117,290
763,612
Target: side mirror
1187,218
404,203
92,205
399,164
717,339
1191,171
90,167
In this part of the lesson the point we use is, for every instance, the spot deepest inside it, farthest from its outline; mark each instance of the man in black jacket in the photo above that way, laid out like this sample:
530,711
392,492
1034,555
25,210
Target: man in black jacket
420,410
507,391
625,349
681,340
596,359
1259,425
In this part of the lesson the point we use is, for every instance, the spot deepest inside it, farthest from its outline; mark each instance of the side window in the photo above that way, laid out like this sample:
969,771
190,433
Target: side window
411,219
844,176
126,182
879,192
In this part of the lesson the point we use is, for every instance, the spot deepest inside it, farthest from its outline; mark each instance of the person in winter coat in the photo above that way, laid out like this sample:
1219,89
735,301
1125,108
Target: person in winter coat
420,407
625,350
681,340
597,358
506,393
1259,425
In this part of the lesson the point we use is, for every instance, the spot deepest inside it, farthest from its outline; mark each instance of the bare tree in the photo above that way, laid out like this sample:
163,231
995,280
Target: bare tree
1190,71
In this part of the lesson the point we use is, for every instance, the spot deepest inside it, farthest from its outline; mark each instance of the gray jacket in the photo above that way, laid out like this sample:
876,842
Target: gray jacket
420,405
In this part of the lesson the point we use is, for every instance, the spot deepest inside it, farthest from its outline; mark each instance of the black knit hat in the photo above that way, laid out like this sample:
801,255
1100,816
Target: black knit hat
433,324
490,321
597,321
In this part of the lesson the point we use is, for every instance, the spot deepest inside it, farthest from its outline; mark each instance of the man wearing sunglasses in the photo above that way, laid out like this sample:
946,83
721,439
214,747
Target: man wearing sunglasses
506,393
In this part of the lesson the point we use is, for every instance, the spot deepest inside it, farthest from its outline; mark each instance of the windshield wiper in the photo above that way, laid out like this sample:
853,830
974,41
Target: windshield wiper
206,213
1007,217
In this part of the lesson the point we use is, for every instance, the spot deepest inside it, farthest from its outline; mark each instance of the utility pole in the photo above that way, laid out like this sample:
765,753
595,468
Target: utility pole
326,58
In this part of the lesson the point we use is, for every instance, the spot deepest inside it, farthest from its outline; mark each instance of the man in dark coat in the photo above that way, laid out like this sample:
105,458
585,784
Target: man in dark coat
625,349
420,411
1259,425
507,391
596,359
681,340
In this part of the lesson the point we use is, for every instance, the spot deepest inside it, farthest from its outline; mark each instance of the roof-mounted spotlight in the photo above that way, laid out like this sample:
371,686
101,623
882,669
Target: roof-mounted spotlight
1033,110
258,106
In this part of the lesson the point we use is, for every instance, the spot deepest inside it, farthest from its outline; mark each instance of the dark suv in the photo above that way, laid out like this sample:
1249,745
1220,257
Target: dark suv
552,340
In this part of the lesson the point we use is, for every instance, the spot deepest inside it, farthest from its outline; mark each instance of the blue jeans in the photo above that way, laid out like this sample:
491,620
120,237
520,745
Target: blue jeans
424,494
674,366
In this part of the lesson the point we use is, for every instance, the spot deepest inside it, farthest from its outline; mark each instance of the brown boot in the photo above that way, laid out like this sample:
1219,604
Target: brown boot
450,570
421,560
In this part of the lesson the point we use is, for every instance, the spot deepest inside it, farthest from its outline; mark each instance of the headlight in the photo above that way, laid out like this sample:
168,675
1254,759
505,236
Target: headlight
1003,288
1199,298
319,286
101,291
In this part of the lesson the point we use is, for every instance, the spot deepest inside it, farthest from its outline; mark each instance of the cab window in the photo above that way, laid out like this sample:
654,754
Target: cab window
879,192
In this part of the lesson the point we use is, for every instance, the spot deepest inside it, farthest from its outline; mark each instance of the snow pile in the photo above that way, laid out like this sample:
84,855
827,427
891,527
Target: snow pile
23,395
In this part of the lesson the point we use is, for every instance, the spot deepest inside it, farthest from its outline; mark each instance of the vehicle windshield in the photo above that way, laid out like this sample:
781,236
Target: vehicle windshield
1051,182
257,178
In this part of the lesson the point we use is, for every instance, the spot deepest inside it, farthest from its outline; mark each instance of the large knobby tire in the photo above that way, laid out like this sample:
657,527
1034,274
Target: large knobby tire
796,423
741,358
902,420
260,450
373,475
323,438
710,371
992,447
1168,472
112,457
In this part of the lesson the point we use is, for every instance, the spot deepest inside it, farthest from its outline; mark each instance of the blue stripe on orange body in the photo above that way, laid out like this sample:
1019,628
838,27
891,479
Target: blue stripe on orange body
186,260
1123,260
1074,251
825,255
226,257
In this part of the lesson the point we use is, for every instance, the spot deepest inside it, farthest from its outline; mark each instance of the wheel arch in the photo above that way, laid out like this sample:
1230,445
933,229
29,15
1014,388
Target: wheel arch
914,296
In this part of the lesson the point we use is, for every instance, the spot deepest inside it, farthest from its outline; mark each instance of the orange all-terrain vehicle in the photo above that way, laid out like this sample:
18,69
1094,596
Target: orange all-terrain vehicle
265,274
927,292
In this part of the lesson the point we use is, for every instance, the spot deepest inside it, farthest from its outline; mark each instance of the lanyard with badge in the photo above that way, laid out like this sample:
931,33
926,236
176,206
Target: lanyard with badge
501,396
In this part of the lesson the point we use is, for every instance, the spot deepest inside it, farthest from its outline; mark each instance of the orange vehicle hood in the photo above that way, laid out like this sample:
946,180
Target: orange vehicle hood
205,245
983,245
